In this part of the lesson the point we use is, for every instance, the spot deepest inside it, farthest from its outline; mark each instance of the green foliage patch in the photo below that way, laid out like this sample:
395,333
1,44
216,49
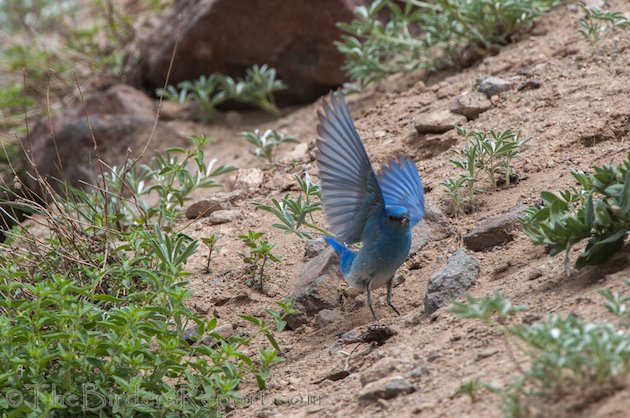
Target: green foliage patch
93,311
566,354
598,210
427,34
208,92
490,152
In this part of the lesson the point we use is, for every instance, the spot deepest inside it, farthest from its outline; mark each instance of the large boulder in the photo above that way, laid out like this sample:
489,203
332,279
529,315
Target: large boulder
120,123
229,36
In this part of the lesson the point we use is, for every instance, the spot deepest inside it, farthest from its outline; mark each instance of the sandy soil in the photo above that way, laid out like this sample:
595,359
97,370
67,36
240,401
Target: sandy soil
579,117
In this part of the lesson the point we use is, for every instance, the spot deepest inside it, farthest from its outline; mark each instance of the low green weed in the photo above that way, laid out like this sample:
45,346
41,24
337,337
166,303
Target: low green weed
208,92
567,354
257,257
599,210
490,152
265,144
417,34
211,243
597,23
297,213
94,307
167,178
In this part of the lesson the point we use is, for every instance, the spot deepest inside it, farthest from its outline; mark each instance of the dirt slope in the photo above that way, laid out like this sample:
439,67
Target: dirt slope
579,117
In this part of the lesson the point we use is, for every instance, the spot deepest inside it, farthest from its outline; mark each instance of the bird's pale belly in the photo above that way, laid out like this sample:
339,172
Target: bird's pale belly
377,265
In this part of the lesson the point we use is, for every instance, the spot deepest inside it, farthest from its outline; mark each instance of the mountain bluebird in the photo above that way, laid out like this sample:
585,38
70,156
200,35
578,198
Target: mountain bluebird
378,211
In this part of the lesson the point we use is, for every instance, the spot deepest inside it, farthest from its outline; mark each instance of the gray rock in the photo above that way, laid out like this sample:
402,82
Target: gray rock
438,122
494,232
386,388
298,152
486,353
491,86
451,281
333,376
382,368
471,104
434,227
536,273
216,202
326,317
317,287
223,216
249,179
314,247
373,333
420,370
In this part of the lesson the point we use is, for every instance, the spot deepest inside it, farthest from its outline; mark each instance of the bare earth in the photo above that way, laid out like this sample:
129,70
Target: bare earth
579,117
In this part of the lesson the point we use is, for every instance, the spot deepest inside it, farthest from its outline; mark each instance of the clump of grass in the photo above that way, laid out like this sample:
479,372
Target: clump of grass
264,144
208,92
567,354
490,152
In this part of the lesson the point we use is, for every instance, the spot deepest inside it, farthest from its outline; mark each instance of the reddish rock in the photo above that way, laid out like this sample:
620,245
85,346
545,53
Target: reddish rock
120,121
229,36
119,99
494,232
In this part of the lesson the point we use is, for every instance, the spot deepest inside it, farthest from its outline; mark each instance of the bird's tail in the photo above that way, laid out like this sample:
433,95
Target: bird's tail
346,256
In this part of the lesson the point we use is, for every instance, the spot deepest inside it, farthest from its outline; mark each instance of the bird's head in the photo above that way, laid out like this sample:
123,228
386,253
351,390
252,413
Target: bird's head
397,215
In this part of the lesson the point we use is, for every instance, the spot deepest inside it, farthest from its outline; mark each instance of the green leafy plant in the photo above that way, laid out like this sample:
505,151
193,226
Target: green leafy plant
257,257
270,357
598,211
100,298
453,187
256,89
297,213
490,152
208,92
567,354
265,143
211,242
597,24
419,34
167,178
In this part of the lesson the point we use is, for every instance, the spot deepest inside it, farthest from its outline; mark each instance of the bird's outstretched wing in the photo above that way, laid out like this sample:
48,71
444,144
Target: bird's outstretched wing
350,191
401,186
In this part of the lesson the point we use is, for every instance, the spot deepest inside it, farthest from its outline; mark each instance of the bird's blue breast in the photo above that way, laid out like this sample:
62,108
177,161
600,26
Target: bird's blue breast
384,250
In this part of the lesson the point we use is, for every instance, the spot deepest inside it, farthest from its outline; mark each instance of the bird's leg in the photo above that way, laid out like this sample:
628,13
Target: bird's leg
369,299
390,285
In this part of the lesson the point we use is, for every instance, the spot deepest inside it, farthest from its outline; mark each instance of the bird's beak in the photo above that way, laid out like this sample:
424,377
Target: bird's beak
405,220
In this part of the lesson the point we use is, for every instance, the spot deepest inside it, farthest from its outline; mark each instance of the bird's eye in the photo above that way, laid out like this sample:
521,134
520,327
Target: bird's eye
393,218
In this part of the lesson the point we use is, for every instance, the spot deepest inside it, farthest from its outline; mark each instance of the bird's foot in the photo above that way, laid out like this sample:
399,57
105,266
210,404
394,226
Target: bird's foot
394,308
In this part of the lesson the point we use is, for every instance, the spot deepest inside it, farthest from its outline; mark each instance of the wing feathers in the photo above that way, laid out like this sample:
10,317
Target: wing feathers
350,190
401,186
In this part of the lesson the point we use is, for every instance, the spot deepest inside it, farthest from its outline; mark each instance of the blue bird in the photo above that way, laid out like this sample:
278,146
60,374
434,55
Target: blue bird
378,211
